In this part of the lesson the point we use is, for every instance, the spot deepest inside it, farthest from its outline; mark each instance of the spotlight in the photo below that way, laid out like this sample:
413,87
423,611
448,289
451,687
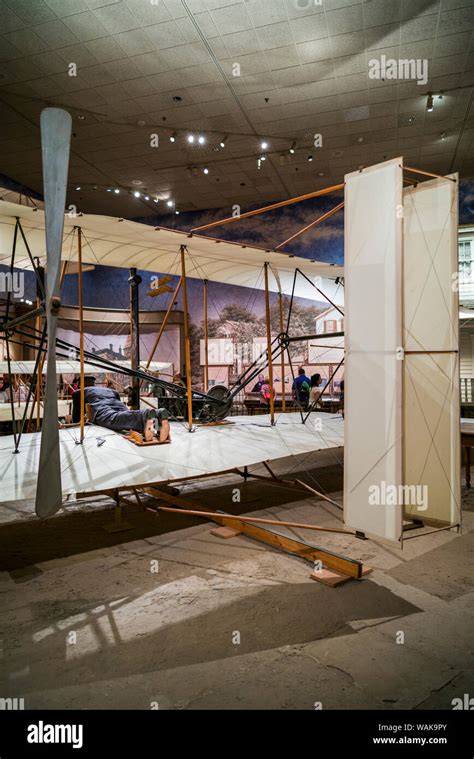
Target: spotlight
206,171
116,190
147,197
429,103
293,148
201,139
310,158
443,135
264,144
173,137
223,141
78,187
136,193
190,139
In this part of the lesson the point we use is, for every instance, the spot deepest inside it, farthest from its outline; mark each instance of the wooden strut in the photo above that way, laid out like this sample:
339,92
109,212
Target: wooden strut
427,173
340,563
282,360
251,520
163,324
81,329
281,204
187,347
322,218
269,346
289,483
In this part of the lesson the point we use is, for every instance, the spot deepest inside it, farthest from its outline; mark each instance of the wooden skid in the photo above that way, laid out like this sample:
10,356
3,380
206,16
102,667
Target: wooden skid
311,553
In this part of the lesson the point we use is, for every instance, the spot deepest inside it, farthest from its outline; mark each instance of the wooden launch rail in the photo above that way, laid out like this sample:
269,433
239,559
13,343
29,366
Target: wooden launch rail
247,526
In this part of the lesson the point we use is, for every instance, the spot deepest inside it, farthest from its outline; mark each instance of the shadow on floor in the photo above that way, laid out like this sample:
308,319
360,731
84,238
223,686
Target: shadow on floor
275,616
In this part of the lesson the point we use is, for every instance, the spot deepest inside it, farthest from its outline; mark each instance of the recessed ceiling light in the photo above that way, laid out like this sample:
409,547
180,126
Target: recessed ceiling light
173,137
177,98
109,189
293,148
264,145
169,203
360,139
177,213
147,197
78,187
429,103
206,170
191,138
81,117
116,190
223,142
263,158
136,193
156,200
201,139
310,158
320,173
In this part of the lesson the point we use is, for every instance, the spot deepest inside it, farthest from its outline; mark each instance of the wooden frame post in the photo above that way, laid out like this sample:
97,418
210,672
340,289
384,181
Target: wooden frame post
81,328
269,345
187,347
282,361
206,341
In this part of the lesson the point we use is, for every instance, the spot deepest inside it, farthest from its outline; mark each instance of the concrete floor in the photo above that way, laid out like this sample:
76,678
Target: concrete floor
168,616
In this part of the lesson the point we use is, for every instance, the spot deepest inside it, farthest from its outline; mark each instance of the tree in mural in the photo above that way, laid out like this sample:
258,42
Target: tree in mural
302,323
242,325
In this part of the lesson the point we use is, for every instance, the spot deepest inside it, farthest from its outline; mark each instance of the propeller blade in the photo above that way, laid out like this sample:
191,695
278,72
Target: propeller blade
55,144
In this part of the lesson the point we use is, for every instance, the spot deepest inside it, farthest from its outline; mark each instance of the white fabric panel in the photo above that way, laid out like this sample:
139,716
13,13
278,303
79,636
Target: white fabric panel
431,448
110,241
431,325
373,411
118,463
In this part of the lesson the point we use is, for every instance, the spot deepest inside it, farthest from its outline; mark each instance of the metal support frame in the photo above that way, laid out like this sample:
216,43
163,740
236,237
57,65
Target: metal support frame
135,281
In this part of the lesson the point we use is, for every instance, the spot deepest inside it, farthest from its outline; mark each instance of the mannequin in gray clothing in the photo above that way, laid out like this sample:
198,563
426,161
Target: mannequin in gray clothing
107,410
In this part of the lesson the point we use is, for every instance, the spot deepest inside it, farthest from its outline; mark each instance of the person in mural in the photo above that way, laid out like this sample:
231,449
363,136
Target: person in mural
107,410
314,392
301,388
258,386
